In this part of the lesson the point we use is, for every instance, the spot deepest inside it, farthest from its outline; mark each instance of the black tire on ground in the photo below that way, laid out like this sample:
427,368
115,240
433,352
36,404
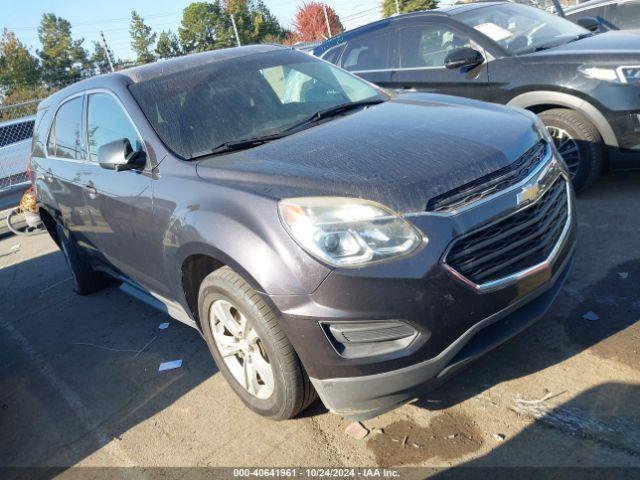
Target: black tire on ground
85,279
293,392
590,145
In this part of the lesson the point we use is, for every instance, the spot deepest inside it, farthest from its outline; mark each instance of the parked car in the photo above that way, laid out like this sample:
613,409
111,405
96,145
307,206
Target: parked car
584,87
322,235
15,149
609,15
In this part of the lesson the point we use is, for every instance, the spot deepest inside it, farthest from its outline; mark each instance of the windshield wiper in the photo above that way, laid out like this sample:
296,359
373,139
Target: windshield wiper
241,144
334,111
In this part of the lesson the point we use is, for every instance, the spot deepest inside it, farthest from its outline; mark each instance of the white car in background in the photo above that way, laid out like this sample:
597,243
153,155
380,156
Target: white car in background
15,149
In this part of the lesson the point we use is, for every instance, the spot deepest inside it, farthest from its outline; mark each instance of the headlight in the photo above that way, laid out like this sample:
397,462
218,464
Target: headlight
347,231
630,74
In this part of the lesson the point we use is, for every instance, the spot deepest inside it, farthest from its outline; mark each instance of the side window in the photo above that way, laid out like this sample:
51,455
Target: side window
333,54
428,45
368,52
107,122
65,139
623,16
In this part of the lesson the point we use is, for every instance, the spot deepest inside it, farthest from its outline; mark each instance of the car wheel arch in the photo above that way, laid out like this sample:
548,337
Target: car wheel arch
539,101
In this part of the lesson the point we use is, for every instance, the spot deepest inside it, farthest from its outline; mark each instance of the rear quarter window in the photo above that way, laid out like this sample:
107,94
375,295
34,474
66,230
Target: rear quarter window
369,51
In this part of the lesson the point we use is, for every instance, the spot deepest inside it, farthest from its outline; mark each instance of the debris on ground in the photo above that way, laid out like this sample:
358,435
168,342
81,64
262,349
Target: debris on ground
415,445
549,395
377,431
404,440
623,275
163,326
170,365
500,437
453,435
15,247
591,316
357,430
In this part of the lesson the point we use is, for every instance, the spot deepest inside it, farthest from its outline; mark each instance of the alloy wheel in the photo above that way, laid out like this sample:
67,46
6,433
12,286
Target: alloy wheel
567,148
241,348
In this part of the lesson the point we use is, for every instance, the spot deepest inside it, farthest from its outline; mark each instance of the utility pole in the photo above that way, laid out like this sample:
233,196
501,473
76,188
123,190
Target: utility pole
326,19
108,52
397,7
235,29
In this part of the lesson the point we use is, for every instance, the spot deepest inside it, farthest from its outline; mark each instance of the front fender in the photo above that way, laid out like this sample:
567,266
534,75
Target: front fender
246,235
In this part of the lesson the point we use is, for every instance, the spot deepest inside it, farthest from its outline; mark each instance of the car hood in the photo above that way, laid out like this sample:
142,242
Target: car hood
614,43
400,153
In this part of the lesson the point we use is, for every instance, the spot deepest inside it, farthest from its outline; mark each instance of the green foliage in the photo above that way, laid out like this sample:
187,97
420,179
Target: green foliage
142,39
63,59
254,21
205,27
100,59
168,45
388,7
18,68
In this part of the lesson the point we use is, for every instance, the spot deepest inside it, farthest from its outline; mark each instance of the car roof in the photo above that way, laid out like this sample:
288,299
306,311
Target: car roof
593,3
158,69
447,11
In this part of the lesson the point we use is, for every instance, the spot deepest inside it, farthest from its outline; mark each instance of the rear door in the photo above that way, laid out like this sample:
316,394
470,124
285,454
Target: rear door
369,55
119,204
418,61
63,168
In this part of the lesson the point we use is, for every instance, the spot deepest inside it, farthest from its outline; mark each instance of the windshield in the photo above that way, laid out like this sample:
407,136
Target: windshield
197,110
521,29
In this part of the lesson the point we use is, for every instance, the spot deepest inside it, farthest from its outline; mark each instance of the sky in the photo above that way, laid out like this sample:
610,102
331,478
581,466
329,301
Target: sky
112,17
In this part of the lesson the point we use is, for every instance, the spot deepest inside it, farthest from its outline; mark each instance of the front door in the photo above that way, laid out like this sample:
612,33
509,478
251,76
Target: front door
120,204
418,61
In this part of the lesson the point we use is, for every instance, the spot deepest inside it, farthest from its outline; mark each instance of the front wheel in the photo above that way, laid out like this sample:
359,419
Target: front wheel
250,348
578,142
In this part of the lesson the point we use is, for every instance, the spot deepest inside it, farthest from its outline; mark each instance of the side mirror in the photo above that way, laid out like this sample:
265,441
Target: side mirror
590,23
119,155
464,57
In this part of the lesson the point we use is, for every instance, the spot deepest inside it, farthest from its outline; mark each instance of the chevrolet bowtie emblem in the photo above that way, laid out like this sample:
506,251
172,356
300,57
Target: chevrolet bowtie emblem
529,193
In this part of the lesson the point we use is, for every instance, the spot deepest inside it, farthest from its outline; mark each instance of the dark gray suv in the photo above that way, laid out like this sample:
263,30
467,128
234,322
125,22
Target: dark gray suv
322,235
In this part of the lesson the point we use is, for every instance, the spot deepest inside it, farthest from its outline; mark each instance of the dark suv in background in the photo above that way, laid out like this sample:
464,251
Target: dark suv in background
584,87
312,227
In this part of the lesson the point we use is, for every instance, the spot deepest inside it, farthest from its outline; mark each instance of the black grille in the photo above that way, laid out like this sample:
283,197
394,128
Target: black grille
520,241
491,183
16,132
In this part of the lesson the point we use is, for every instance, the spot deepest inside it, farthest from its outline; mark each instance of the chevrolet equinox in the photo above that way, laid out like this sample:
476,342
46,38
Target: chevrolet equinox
321,234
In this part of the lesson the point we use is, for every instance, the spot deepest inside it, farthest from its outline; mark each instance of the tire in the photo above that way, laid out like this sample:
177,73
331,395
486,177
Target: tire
289,390
85,279
573,127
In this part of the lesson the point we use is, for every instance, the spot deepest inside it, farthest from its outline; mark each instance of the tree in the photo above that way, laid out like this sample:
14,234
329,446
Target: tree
254,21
168,45
63,59
205,26
142,39
309,23
18,68
389,6
100,58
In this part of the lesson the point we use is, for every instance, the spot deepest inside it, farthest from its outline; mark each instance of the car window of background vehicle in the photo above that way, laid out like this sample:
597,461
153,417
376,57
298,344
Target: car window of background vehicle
368,52
428,45
519,28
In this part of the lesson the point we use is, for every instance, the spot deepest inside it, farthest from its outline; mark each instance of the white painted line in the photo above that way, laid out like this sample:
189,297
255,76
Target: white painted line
73,401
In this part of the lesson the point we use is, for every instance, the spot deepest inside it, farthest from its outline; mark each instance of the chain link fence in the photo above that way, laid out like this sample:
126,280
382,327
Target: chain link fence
15,148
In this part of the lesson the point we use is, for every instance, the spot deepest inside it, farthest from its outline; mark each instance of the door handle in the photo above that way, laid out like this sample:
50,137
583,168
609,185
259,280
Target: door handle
91,190
48,175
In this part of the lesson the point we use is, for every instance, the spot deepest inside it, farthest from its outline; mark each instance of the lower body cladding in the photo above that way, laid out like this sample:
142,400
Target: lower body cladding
371,339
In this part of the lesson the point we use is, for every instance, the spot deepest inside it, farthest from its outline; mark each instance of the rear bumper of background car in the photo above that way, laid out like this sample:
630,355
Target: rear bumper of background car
360,398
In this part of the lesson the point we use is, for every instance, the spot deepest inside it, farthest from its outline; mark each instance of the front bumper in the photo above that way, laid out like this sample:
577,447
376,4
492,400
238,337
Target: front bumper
455,320
364,397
